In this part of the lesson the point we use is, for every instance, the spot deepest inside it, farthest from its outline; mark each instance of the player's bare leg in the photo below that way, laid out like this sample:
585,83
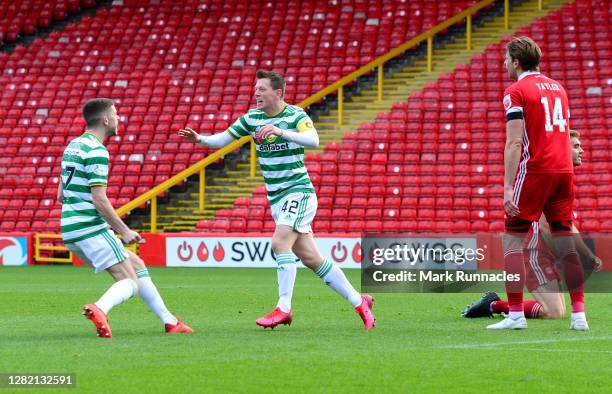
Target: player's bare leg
125,286
150,295
551,298
282,242
514,264
307,250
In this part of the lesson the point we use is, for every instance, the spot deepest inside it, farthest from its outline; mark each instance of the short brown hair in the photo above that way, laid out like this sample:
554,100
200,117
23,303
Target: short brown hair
526,51
574,134
94,109
276,80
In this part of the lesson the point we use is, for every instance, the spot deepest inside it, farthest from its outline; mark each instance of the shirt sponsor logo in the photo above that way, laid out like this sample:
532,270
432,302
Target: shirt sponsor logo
272,147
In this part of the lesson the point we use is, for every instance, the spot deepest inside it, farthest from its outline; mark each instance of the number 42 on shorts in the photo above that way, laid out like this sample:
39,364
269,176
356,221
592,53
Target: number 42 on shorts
290,206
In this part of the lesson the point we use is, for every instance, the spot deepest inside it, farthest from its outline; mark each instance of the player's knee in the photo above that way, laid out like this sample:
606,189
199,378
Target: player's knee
552,309
553,312
279,246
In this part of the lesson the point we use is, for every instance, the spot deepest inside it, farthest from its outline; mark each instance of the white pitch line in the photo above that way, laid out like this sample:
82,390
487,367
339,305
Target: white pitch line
496,344
540,349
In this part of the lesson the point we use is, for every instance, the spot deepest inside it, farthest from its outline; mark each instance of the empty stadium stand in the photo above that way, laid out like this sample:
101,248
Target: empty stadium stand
436,158
167,65
27,17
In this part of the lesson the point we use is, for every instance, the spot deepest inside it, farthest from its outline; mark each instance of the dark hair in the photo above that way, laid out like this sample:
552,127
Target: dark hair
94,109
276,80
574,134
526,51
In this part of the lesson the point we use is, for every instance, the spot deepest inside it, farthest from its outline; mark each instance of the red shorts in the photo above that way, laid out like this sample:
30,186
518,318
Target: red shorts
551,193
540,265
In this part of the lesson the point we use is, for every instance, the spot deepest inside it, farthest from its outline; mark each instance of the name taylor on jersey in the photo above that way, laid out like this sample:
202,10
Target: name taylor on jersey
548,86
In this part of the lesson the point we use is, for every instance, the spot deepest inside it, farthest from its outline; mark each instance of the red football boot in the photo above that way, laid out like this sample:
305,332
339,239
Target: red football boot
365,311
99,319
178,328
274,318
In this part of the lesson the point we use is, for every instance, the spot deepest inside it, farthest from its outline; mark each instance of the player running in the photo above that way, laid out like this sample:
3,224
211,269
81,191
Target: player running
542,275
87,214
281,131
538,176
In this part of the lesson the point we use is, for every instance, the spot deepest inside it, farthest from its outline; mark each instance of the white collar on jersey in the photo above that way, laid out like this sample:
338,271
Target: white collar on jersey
527,73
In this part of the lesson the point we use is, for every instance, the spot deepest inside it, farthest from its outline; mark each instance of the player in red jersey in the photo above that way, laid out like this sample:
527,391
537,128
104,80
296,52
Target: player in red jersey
538,176
542,276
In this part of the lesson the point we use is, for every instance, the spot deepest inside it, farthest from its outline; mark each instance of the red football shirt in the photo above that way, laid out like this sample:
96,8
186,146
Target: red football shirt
542,103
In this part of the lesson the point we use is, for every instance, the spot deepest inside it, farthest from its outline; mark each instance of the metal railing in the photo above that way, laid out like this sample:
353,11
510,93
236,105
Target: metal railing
39,247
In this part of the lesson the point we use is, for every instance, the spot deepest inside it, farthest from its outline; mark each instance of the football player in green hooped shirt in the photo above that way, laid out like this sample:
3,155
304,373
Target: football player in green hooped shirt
281,131
88,220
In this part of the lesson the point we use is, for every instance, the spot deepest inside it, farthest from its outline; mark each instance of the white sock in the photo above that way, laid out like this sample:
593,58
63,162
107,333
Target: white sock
119,292
516,315
150,295
285,274
578,315
334,278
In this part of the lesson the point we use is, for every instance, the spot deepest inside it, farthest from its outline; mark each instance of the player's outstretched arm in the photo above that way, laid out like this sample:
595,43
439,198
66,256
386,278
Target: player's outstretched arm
308,138
106,210
218,140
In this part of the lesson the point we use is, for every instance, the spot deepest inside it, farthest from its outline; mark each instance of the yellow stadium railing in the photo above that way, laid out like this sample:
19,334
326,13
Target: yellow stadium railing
338,87
199,167
39,248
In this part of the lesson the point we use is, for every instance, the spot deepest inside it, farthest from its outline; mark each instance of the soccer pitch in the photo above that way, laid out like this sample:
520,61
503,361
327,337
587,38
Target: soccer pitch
420,343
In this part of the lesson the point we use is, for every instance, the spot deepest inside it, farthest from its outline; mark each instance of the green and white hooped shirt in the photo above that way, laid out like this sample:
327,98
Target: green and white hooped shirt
84,164
281,161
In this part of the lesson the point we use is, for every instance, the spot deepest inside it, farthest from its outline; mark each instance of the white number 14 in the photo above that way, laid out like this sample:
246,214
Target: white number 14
557,118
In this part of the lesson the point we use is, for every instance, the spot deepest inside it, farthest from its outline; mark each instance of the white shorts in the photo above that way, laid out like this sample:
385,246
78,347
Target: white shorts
101,251
296,210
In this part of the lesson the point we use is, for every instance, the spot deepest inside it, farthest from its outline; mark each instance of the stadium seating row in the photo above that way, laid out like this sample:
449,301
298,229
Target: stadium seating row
26,16
169,64
438,156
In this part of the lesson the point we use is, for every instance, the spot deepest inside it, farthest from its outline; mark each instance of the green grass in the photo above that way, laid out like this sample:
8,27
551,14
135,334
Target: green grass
419,345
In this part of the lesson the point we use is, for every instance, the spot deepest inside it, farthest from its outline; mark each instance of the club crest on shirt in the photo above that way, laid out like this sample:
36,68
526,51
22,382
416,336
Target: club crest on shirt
507,102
